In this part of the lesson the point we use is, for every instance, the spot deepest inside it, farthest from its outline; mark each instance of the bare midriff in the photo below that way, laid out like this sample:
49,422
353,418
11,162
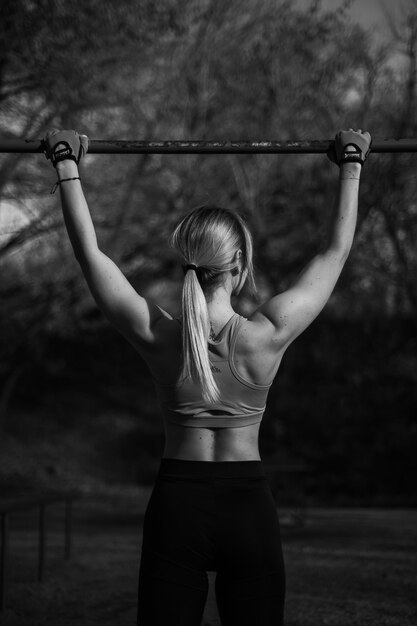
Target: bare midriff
211,444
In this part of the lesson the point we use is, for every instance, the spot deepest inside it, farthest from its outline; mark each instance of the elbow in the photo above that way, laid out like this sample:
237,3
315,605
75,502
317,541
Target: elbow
78,256
338,254
81,258
343,254
339,248
84,258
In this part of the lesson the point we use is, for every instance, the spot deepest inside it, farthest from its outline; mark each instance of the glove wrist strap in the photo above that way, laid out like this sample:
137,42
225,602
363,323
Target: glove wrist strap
63,154
352,157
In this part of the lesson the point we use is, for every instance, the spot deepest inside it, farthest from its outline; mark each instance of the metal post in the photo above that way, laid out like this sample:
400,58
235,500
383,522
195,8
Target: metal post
68,524
41,546
100,146
3,558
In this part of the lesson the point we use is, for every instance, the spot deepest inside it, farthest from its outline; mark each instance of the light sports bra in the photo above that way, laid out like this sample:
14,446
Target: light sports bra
241,402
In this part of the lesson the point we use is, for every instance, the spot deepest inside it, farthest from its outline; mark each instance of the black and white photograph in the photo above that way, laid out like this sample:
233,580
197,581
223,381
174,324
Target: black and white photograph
208,313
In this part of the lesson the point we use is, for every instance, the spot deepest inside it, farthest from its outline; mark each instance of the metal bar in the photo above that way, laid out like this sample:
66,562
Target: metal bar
3,558
41,546
100,146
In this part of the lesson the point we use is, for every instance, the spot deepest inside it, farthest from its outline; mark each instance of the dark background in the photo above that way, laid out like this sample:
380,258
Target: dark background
77,408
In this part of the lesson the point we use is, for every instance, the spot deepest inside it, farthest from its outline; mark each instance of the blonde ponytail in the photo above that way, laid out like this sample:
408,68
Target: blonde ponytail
208,240
196,329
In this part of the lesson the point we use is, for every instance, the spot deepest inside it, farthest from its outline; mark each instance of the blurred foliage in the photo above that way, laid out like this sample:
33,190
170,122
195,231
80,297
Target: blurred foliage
242,69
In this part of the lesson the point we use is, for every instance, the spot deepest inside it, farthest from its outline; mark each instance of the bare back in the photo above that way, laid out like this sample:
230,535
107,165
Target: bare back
257,359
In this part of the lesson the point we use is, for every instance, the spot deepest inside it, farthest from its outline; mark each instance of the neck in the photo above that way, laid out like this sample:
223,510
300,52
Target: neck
219,306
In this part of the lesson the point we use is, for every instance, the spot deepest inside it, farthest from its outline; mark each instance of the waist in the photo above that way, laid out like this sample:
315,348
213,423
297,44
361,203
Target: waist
206,470
211,444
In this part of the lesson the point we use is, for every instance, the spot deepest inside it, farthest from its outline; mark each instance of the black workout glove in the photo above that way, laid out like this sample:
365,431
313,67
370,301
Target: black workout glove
73,146
338,152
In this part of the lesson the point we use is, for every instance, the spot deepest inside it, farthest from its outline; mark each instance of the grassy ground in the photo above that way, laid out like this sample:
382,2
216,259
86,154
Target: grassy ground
344,567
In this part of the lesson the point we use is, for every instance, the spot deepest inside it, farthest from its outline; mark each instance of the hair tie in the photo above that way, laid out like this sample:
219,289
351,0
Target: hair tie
63,180
191,266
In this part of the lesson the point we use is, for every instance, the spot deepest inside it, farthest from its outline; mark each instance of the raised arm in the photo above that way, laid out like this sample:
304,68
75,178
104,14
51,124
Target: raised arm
129,312
290,312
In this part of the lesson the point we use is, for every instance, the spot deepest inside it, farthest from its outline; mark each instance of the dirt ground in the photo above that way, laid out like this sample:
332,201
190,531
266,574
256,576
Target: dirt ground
344,567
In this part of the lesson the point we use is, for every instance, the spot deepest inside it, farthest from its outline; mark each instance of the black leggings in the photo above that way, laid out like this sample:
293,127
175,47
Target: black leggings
211,516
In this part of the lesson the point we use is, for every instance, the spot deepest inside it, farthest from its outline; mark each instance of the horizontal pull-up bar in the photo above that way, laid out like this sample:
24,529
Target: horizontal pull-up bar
115,146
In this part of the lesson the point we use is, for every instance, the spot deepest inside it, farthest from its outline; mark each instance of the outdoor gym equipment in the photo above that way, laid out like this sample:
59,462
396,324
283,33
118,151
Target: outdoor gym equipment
115,146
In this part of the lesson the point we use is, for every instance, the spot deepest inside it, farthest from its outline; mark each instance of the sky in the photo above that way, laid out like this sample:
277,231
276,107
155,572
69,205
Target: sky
371,13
